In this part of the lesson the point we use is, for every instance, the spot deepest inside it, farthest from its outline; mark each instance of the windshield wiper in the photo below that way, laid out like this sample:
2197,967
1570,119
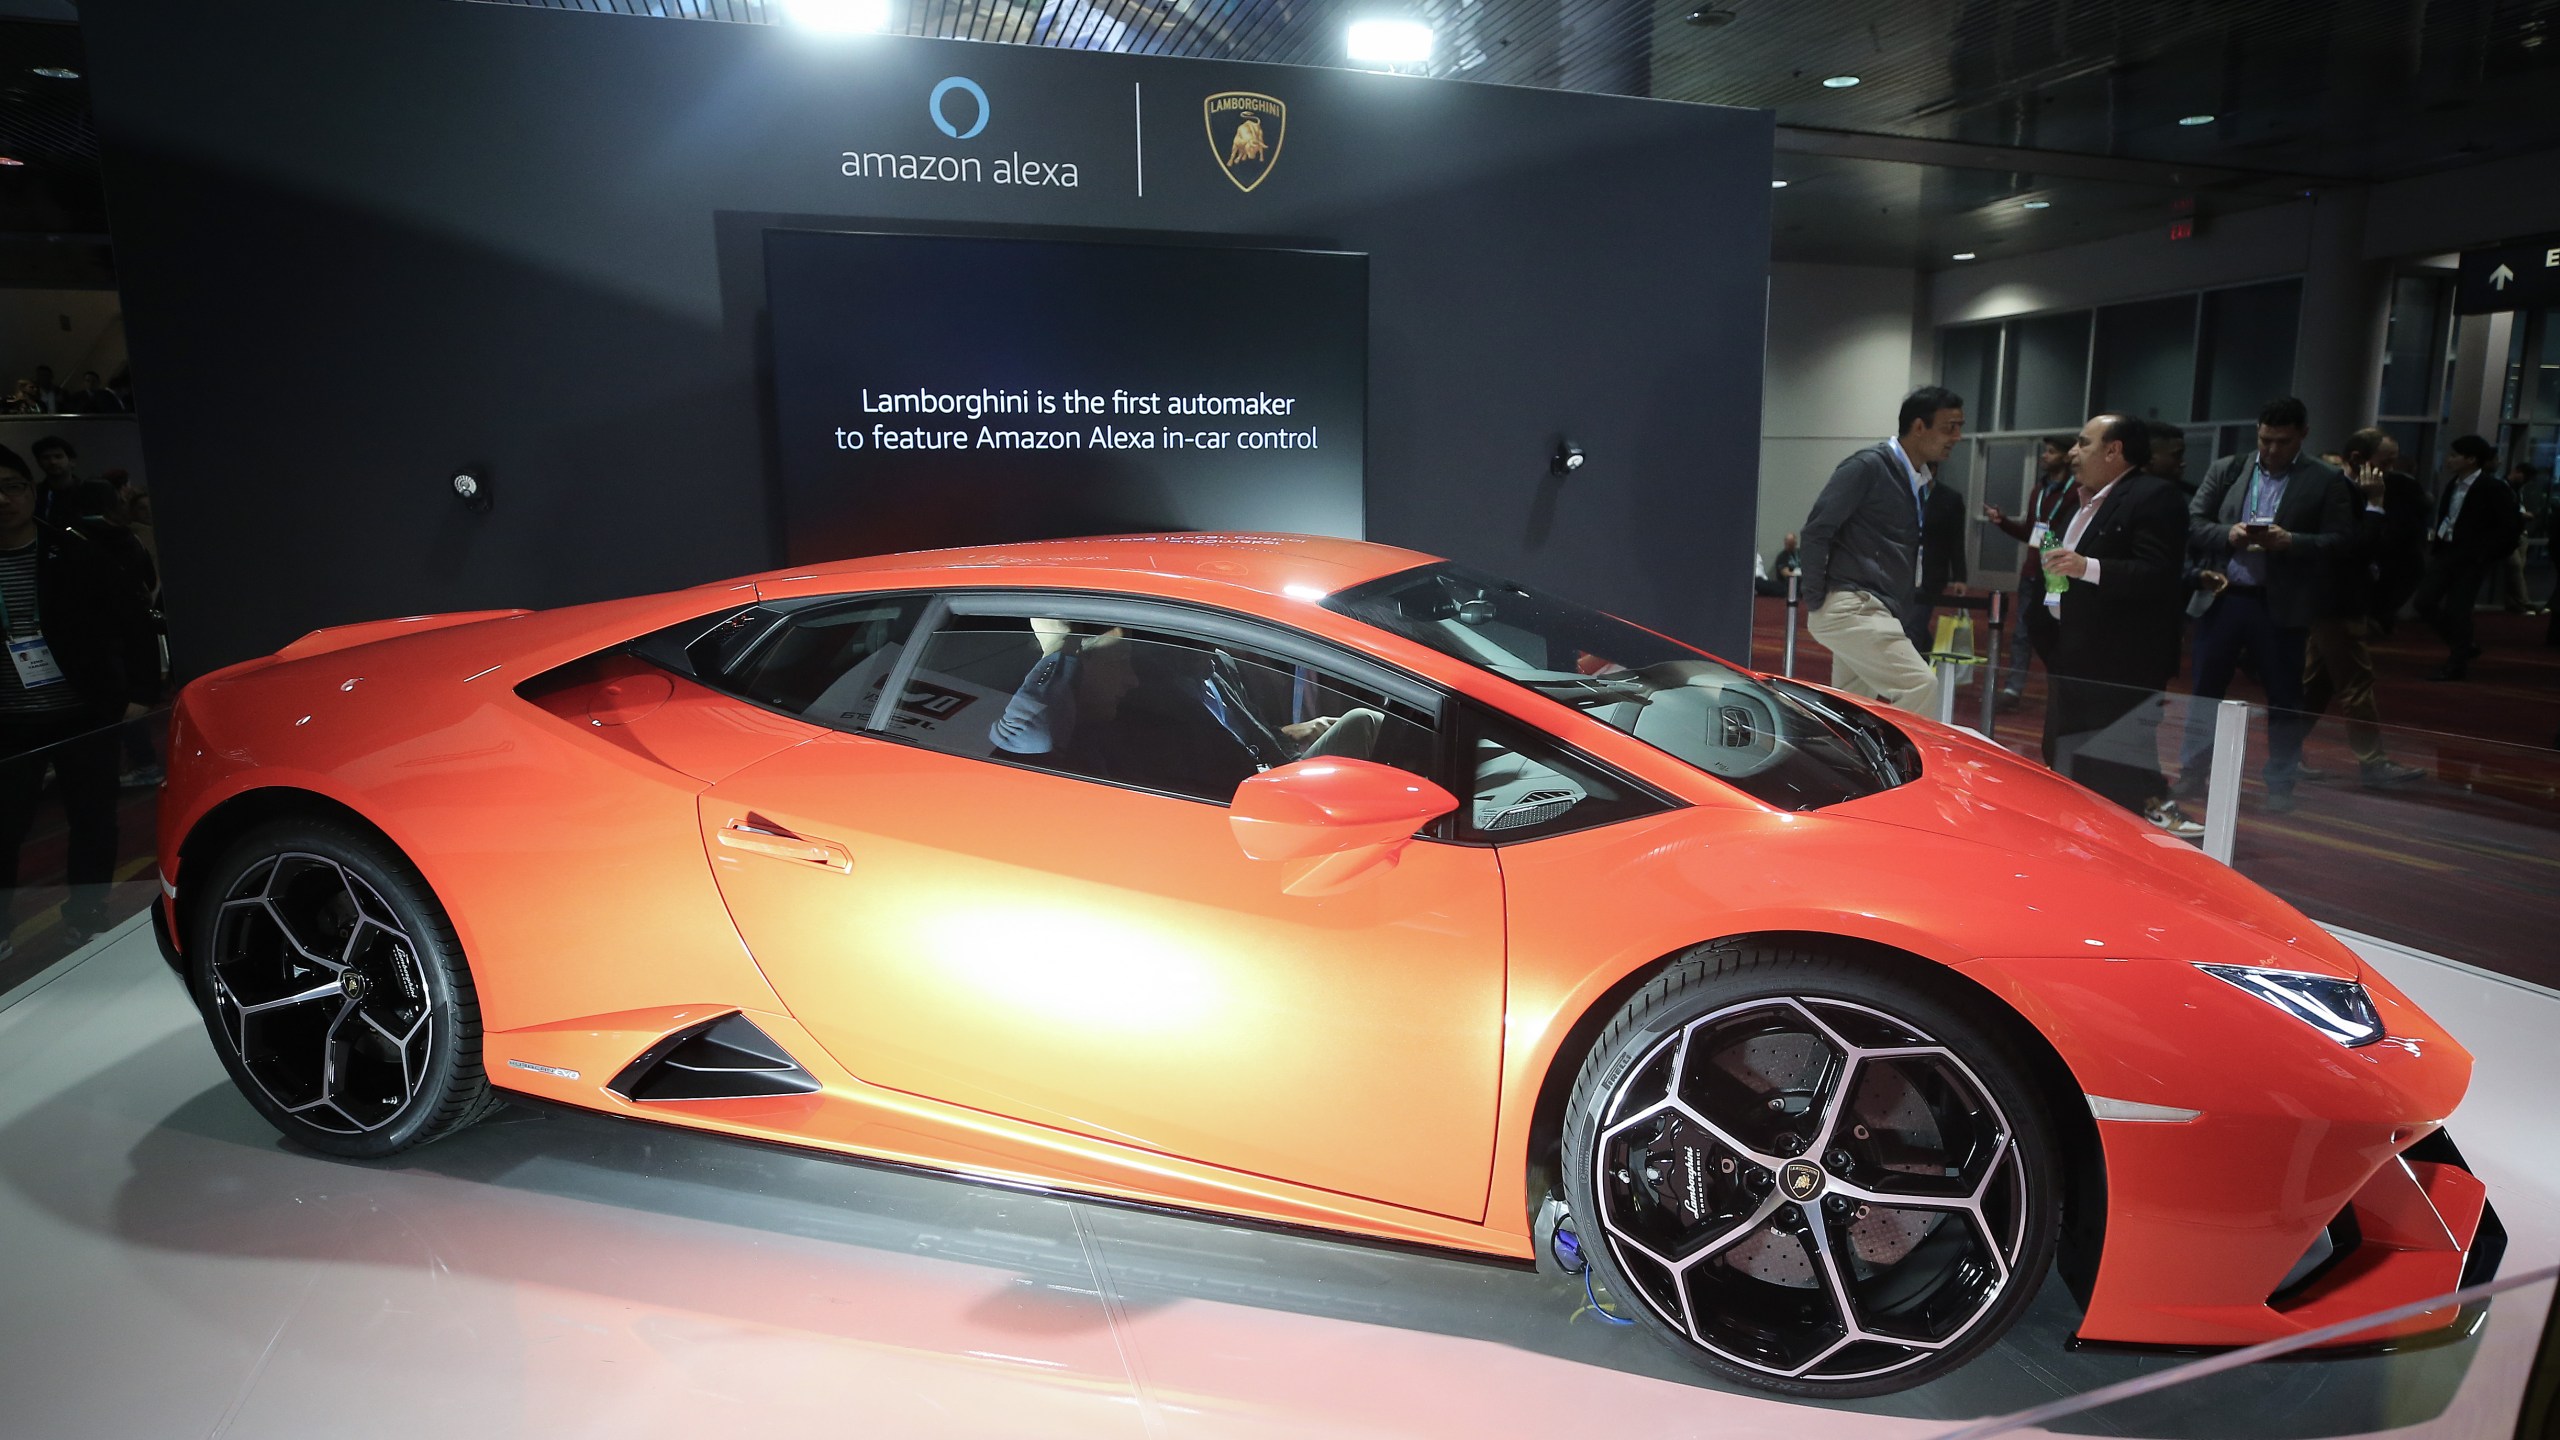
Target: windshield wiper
1858,728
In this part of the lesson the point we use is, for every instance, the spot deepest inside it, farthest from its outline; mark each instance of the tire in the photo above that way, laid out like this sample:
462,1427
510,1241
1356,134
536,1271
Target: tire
1814,1098
334,989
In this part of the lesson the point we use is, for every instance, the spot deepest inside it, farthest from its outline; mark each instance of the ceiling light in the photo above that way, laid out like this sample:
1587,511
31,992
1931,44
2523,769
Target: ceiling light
841,16
1389,42
1777,184
1712,15
11,160
1964,254
1839,82
2037,205
56,72
2195,119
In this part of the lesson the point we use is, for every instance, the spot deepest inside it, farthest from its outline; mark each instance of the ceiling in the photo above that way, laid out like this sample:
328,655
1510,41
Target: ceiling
1964,111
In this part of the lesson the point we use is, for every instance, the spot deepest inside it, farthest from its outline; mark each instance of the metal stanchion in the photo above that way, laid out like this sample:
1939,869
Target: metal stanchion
2222,793
1997,618
1795,602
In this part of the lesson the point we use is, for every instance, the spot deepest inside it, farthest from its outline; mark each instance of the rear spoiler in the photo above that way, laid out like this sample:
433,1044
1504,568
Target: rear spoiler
340,637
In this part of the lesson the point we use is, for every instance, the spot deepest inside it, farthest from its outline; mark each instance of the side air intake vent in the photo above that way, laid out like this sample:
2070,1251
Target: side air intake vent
723,1059
1535,808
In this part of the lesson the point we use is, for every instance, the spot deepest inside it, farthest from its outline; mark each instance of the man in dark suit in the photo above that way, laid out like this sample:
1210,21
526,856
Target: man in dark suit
2267,527
2475,524
2123,535
1942,569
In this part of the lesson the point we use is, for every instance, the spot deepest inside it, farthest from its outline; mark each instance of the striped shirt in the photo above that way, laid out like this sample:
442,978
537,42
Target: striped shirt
18,594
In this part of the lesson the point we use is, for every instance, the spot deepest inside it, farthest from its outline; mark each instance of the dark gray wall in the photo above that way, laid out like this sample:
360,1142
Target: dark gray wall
364,244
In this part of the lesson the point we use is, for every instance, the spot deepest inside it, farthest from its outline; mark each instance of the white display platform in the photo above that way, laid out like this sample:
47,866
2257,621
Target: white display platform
169,1268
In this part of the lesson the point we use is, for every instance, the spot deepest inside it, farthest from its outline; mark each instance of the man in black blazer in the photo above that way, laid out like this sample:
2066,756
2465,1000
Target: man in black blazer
2267,526
2474,525
1862,554
2123,536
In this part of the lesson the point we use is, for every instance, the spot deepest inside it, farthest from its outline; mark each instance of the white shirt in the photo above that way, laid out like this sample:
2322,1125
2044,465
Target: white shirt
2079,526
2453,512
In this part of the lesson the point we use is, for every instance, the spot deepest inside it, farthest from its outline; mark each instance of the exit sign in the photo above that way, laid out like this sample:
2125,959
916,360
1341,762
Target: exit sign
2510,277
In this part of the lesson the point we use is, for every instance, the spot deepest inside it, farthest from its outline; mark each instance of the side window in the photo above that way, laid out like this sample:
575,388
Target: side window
1526,785
1144,708
824,660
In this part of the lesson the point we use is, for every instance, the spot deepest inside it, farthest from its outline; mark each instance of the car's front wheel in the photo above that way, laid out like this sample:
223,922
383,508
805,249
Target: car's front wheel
1815,1176
334,989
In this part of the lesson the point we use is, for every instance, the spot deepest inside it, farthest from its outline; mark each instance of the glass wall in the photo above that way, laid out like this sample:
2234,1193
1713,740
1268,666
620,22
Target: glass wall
2146,358
2203,359
2244,350
2417,368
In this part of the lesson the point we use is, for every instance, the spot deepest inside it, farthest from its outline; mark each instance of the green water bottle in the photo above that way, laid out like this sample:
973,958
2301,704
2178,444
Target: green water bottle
2054,584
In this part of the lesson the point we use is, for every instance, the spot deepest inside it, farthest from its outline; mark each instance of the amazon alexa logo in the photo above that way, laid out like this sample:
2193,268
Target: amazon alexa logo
941,115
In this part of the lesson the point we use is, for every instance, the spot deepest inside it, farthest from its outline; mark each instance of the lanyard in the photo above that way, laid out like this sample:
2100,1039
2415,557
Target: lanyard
8,627
2257,478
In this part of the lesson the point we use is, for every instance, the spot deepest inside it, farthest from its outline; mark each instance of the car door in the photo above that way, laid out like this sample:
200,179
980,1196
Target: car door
1016,889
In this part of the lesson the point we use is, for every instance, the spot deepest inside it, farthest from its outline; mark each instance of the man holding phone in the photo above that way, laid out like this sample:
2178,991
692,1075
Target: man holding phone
2266,525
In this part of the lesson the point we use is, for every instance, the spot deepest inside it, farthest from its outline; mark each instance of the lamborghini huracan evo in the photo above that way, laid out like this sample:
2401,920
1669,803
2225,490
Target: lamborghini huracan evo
1321,884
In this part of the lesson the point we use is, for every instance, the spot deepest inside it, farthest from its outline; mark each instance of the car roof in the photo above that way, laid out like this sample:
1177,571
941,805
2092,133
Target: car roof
1271,564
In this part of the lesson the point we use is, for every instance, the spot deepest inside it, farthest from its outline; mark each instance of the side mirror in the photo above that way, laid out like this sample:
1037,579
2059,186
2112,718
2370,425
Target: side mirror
1350,817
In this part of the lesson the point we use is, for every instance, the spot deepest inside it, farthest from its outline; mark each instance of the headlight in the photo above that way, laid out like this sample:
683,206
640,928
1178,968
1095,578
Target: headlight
2336,1008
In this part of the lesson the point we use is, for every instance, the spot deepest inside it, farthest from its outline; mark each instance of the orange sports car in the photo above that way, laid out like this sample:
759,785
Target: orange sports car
1321,884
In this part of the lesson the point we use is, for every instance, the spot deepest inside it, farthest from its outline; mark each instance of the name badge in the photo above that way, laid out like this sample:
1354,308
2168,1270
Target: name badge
2037,537
35,662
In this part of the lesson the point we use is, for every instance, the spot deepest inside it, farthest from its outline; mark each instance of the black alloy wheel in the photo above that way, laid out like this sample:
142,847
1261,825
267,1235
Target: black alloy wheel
335,991
1817,1178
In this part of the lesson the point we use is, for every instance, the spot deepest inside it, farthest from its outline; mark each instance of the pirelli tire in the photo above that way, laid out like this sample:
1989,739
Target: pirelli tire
1815,1177
334,990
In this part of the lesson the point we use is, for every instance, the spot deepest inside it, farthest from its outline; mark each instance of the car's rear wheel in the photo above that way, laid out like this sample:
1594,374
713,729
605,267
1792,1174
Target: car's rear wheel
1816,1177
334,989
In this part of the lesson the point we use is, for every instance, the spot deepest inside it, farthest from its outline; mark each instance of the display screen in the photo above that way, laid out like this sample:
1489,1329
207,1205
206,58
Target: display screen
934,390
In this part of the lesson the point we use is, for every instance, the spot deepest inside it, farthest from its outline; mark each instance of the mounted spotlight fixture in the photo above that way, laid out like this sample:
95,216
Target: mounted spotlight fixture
1567,459
1711,16
471,487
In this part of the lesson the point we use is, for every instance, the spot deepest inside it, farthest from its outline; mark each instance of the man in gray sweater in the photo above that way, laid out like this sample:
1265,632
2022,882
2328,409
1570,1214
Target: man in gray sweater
1862,553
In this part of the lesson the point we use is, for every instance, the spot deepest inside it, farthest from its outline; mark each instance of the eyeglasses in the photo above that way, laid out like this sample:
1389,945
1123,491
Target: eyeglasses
16,485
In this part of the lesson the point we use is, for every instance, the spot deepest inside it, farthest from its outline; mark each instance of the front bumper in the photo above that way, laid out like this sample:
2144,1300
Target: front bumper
2306,1184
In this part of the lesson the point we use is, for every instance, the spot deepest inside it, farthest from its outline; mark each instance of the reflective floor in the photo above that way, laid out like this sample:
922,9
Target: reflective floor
169,1268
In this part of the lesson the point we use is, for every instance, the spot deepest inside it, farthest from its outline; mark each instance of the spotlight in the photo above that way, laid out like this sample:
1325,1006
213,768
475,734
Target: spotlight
1567,459
1839,82
56,72
1964,255
1711,16
848,17
2195,120
1389,42
472,489
11,161
2037,205
1777,184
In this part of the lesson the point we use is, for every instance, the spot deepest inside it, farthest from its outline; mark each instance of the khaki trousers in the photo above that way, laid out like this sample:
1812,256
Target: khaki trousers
1870,654
2337,667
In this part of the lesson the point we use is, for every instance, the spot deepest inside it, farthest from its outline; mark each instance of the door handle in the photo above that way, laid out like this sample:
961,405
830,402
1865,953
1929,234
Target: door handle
758,839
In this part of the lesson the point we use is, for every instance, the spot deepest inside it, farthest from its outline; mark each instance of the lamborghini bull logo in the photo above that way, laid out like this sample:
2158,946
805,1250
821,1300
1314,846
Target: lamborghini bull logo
1245,130
1801,1179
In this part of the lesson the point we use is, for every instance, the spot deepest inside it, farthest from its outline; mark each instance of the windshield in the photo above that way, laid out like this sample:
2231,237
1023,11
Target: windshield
1783,743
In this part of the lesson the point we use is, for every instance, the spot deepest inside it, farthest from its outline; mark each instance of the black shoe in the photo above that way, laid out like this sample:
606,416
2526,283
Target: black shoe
2314,774
2278,802
2383,773
2452,670
2009,700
